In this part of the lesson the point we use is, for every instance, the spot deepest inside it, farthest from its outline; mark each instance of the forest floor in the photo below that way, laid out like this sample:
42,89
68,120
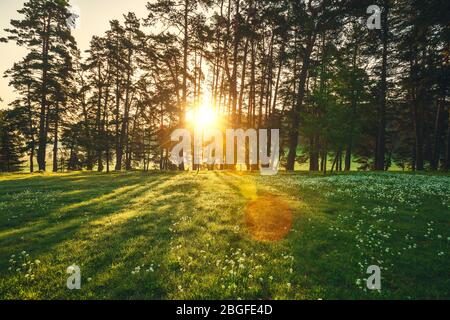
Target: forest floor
224,235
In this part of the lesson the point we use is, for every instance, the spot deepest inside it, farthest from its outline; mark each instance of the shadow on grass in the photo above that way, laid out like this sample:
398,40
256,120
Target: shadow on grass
112,222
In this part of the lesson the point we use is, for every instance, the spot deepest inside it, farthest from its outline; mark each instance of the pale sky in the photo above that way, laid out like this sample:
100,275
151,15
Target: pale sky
94,14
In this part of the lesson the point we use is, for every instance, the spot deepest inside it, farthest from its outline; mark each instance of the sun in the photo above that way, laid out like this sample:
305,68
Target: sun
202,117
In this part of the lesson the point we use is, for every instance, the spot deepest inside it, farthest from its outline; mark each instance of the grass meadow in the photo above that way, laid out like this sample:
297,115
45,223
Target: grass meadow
224,235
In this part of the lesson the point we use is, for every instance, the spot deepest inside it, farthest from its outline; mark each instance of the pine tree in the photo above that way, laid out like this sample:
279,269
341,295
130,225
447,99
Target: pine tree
11,148
26,106
44,31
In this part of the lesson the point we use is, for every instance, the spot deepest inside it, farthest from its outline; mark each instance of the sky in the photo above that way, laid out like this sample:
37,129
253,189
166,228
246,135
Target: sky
94,20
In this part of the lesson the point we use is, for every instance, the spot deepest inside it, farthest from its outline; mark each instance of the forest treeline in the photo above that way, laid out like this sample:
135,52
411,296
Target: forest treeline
344,96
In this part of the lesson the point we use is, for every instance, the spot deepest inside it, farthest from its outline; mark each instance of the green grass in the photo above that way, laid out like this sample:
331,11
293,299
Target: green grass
183,236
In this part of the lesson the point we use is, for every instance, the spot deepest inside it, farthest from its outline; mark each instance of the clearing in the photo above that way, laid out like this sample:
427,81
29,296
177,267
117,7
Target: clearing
224,235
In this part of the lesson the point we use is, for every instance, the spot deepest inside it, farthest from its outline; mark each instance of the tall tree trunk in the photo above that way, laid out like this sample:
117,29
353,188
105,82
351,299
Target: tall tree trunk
419,138
185,61
447,149
108,156
262,86
105,125
349,150
252,95
30,124
233,87
183,106
195,93
323,158
436,152
314,153
99,122
118,166
124,130
217,66
335,163
277,84
293,135
268,103
241,93
381,136
32,156
55,139
42,116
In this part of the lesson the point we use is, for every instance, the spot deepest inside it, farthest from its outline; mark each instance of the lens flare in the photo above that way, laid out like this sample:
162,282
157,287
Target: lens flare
202,117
